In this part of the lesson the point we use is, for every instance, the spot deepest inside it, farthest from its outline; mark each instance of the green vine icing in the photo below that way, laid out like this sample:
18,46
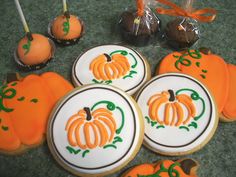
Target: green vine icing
34,100
6,93
130,74
196,54
26,47
4,128
102,82
66,26
172,172
195,96
71,150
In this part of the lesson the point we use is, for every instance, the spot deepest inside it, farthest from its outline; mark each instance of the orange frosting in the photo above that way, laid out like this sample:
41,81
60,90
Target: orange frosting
155,169
230,107
25,109
72,30
206,69
105,67
83,125
34,52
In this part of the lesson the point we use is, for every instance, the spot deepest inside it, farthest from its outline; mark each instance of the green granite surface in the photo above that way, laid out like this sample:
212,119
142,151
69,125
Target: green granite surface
217,158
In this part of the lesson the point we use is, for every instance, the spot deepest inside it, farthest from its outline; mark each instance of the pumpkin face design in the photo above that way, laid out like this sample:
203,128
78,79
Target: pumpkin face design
103,128
173,109
165,168
110,67
24,109
95,128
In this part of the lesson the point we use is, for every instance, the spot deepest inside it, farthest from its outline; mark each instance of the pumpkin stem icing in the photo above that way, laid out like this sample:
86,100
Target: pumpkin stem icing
88,113
108,57
172,95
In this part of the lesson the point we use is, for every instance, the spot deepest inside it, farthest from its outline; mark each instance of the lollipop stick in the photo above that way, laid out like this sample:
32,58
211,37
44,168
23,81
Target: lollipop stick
22,17
65,9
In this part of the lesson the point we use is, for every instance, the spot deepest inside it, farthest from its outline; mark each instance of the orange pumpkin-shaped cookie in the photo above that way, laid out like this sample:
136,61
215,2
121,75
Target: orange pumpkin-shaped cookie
174,108
66,28
208,68
106,67
165,168
35,51
24,109
99,123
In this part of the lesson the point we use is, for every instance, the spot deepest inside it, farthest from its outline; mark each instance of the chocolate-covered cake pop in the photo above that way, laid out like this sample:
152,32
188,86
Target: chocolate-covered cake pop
138,27
181,33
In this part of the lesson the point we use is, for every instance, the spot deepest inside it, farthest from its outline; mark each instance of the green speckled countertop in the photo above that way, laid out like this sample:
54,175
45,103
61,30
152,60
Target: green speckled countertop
217,158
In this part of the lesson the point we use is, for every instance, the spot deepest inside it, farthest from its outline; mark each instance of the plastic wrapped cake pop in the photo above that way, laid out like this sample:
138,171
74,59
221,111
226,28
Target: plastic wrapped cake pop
139,26
183,31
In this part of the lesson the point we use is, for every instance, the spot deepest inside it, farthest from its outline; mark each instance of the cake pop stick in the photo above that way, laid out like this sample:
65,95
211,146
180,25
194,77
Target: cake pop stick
22,17
65,9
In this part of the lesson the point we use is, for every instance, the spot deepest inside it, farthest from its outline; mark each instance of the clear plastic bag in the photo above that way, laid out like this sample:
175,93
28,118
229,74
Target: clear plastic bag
139,26
182,32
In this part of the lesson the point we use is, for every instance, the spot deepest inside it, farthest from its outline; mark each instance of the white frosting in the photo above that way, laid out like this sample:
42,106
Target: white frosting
81,74
172,139
98,160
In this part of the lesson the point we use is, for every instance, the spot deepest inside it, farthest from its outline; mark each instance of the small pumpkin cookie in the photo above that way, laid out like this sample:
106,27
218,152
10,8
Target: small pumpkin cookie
179,112
115,65
25,106
212,71
165,168
95,130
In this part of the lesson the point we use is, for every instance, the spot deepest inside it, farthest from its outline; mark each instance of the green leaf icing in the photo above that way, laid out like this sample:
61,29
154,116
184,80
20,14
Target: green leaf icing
34,100
85,152
26,47
72,150
185,128
21,98
4,128
14,84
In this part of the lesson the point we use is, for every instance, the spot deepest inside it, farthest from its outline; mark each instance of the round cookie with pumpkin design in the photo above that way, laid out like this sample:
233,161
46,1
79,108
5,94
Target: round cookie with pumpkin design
25,105
179,112
115,65
66,29
165,168
212,71
34,51
95,130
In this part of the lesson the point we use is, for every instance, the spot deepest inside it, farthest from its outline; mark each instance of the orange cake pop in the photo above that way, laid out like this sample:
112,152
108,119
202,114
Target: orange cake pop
35,51
66,28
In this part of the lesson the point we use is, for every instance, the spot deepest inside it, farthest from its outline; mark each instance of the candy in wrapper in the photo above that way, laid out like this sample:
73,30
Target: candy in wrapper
140,26
183,31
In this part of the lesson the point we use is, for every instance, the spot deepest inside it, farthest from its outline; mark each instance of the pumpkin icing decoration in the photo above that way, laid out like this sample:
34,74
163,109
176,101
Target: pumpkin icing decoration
106,67
173,108
96,128
165,168
25,106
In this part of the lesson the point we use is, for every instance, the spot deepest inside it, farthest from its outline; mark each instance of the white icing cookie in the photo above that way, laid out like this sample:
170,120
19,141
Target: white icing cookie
179,113
115,65
95,130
